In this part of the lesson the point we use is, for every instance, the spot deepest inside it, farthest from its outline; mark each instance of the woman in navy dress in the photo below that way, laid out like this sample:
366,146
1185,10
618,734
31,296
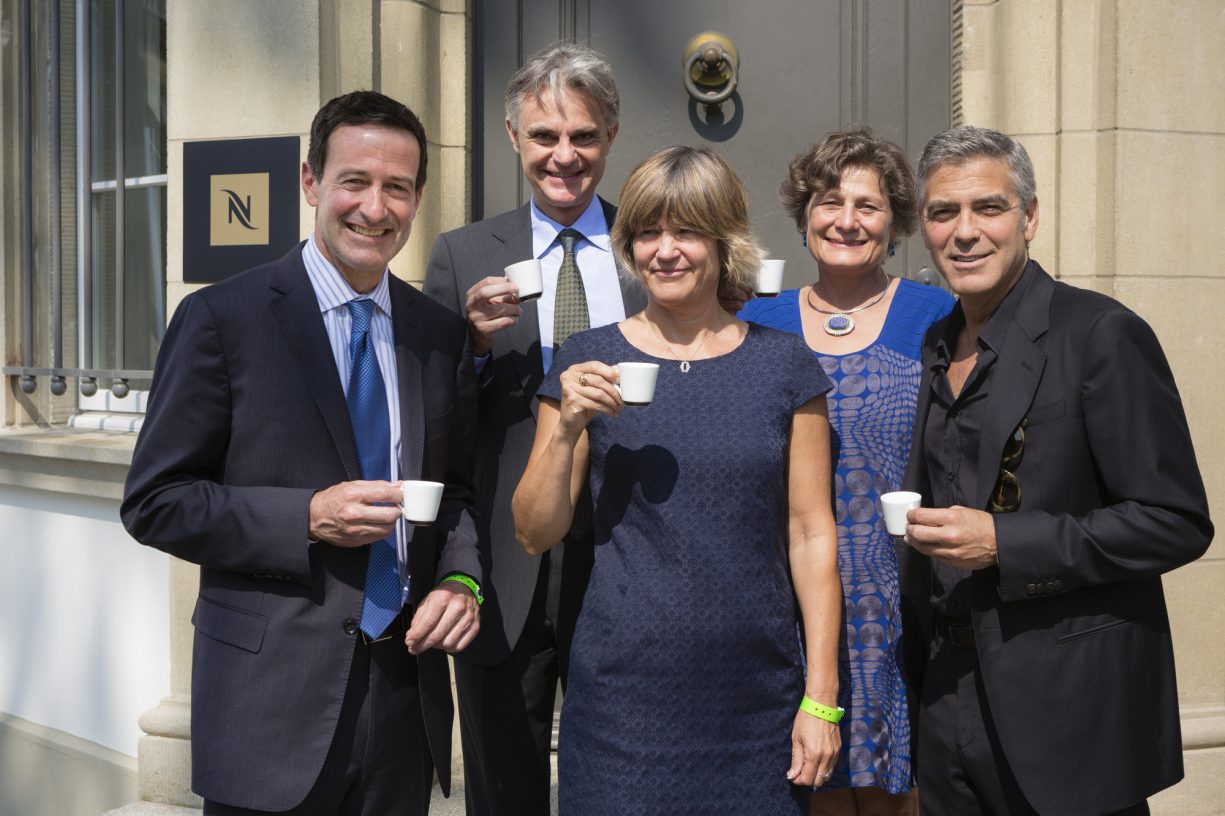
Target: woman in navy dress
715,563
852,196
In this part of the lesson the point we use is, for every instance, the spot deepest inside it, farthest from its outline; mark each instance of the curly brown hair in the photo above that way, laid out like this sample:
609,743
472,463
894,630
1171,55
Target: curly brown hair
819,167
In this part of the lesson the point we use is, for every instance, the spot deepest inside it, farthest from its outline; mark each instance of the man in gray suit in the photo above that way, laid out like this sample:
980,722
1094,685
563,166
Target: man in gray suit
561,116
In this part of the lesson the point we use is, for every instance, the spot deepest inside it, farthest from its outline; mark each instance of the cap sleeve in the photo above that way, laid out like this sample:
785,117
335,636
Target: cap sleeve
574,350
810,380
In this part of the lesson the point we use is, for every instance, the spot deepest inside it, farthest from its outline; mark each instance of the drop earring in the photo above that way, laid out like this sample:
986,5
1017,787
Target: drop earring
804,240
892,249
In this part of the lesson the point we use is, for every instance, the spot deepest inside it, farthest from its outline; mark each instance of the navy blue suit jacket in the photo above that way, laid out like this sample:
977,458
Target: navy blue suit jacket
246,421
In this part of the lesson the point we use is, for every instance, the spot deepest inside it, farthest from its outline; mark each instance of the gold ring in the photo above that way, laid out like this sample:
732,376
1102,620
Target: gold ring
582,379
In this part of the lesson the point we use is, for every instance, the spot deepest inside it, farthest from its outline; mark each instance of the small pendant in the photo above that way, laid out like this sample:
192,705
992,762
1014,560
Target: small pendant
839,324
684,366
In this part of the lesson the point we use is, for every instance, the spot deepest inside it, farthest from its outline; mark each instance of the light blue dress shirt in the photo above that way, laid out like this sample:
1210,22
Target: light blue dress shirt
595,262
334,293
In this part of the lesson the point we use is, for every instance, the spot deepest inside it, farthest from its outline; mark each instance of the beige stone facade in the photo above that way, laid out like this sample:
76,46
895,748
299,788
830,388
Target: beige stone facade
1121,104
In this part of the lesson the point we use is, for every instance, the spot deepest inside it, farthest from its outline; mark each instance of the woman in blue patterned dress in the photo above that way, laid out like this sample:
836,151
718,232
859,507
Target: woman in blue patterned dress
712,525
852,197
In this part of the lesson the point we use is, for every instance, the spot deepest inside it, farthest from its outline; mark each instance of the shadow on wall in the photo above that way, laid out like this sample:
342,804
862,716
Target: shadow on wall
44,772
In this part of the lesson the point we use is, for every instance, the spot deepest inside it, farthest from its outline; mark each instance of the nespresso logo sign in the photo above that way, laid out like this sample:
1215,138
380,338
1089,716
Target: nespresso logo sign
241,205
238,211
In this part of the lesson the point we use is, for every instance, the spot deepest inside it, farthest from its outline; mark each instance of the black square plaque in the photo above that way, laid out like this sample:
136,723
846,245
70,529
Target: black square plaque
240,205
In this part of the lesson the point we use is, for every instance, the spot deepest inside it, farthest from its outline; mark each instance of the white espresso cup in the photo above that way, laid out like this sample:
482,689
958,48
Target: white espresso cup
420,503
526,276
769,278
637,384
894,507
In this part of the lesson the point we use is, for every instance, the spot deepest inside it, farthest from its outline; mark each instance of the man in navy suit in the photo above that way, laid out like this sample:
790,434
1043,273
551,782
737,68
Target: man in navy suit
561,117
1059,484
252,463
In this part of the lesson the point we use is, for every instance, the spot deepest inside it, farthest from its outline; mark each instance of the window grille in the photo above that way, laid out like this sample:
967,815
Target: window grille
92,119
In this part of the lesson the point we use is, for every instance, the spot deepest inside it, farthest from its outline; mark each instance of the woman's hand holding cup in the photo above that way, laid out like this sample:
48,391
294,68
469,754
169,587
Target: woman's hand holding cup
587,389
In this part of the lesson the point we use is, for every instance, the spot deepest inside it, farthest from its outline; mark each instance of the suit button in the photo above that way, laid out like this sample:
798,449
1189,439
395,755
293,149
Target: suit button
350,626
1031,590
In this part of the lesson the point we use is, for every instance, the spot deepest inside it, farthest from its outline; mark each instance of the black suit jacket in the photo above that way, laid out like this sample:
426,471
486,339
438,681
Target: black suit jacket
459,259
247,420
1071,628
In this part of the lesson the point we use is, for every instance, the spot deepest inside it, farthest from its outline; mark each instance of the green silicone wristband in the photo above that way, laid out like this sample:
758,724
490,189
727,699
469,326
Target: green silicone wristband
823,712
468,582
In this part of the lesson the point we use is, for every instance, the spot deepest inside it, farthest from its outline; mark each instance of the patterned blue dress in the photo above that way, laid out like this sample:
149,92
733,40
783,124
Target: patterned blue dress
686,671
871,411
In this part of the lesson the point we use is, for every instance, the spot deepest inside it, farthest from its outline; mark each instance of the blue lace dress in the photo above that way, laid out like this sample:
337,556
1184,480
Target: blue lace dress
871,411
686,670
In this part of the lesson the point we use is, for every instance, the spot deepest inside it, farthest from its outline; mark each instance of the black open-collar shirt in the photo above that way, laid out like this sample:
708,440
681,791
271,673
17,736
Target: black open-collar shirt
953,433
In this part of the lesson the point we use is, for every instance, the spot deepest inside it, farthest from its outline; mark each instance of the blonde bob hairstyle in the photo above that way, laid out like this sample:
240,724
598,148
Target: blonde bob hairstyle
691,187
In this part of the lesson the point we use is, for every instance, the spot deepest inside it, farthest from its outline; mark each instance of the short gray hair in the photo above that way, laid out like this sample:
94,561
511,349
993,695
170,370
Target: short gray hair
966,143
565,67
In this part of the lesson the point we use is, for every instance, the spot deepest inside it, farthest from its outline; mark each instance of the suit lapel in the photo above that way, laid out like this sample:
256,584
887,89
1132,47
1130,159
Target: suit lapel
522,340
410,348
915,569
515,234
410,378
633,296
916,470
296,310
1020,364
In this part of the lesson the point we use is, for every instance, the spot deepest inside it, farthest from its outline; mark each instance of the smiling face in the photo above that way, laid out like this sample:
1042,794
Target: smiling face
677,265
563,146
849,228
365,200
977,231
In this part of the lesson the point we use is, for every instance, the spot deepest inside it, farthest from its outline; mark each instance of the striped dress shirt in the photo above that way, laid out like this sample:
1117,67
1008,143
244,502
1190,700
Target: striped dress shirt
334,293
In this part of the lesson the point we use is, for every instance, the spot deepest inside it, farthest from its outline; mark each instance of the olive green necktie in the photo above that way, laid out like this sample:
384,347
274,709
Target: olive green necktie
570,303
570,316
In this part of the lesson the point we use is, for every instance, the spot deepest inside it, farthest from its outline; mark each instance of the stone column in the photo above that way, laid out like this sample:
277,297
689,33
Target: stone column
1121,105
163,756
425,59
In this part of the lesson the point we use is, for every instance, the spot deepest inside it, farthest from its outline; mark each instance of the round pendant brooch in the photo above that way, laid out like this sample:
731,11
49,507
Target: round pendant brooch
839,324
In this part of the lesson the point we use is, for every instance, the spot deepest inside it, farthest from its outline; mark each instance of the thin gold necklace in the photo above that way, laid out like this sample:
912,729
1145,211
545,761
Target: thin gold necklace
840,321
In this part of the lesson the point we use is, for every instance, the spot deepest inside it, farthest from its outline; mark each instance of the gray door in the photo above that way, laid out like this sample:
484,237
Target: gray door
806,67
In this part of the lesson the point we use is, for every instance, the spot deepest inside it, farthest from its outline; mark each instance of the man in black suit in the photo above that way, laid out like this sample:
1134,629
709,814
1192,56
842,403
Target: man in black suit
561,116
1059,483
287,403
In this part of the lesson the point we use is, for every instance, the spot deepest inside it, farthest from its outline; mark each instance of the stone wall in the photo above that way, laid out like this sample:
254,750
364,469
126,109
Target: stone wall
1121,105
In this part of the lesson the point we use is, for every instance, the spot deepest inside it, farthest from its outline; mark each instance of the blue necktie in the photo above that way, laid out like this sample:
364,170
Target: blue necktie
372,431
